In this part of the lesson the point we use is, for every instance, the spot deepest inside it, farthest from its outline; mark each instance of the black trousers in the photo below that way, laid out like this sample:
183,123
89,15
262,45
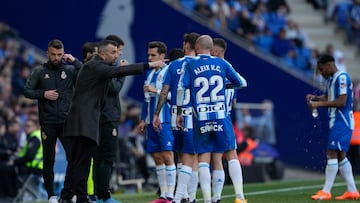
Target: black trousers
78,169
50,134
105,158
9,178
8,186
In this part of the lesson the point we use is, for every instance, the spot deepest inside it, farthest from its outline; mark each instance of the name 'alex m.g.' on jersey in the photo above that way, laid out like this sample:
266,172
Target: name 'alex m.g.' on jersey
205,77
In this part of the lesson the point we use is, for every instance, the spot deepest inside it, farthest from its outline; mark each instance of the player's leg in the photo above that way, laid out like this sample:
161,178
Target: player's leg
345,169
218,176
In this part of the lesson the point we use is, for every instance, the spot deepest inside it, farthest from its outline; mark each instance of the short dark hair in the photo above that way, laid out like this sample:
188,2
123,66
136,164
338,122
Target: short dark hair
158,44
175,53
220,42
325,58
115,38
57,44
104,43
88,47
191,38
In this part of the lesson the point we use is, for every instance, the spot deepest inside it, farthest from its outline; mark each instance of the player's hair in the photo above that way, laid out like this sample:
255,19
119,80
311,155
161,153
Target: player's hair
175,53
220,42
325,58
191,39
115,38
88,47
158,44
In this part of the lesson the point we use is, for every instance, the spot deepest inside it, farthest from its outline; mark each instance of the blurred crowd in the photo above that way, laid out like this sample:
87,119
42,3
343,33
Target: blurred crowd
266,25
263,23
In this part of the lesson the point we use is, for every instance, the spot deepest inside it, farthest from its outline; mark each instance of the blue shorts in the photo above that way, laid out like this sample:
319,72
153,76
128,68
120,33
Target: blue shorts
184,141
158,142
213,136
339,138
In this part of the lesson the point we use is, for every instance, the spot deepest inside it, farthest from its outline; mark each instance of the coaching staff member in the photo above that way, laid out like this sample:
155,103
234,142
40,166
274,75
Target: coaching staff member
52,84
85,110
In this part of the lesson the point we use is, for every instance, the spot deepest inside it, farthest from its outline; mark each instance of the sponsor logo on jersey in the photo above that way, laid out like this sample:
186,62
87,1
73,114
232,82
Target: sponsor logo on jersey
211,108
211,128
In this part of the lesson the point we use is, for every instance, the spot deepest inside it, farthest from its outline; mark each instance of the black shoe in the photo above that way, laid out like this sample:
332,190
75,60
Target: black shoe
185,200
65,200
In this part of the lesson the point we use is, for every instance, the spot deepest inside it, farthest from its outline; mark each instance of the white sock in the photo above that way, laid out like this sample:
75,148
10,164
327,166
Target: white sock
235,173
218,180
161,176
171,180
182,182
330,174
193,185
346,171
205,181
179,165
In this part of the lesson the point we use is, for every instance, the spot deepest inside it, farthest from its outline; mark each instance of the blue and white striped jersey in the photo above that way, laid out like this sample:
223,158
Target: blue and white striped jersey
229,95
156,79
205,76
172,79
340,84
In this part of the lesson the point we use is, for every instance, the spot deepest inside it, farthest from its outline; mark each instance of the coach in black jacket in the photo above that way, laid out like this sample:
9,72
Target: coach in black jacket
52,85
84,116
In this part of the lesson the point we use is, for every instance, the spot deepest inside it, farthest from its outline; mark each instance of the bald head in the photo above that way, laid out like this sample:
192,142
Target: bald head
204,44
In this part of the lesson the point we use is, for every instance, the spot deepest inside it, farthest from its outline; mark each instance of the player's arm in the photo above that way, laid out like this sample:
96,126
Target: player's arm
236,80
339,102
162,99
242,84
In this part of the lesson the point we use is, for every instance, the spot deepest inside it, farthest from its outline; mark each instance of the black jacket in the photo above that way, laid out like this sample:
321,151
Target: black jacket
90,90
47,77
111,109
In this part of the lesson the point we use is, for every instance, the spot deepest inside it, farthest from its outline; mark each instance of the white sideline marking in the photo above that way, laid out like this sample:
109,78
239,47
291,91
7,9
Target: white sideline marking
283,190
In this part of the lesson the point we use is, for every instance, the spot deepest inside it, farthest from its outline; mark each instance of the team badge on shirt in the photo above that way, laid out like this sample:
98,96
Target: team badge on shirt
43,136
63,75
46,76
114,133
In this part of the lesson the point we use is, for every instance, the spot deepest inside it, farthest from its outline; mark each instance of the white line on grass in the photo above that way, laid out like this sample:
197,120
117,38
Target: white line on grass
283,190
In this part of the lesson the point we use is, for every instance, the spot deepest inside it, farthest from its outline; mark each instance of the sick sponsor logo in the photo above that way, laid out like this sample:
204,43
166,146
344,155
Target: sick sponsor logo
211,127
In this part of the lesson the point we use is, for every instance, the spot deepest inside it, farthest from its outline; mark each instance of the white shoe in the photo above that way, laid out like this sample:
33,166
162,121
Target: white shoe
53,199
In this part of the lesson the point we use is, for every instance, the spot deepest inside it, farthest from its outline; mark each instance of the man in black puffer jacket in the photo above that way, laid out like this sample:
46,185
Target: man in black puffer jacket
52,84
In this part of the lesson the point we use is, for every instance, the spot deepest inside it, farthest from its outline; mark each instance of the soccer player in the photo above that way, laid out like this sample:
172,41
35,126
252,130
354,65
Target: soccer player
204,76
338,99
183,139
234,167
159,144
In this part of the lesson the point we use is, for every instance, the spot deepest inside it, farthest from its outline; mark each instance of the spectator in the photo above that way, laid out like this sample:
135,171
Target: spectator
340,60
353,27
281,46
221,11
202,7
136,143
27,162
274,5
233,21
247,26
264,41
8,144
